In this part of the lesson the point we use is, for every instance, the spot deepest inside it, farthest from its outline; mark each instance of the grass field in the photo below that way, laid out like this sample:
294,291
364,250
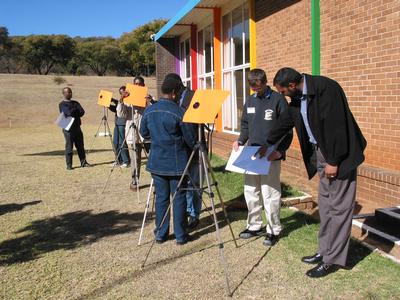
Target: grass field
62,238
32,100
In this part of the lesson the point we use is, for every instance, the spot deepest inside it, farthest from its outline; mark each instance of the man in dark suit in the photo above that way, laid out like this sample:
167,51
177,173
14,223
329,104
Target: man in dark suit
332,145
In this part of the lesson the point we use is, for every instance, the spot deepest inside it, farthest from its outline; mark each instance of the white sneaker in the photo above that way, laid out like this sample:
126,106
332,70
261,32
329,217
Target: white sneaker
114,164
124,165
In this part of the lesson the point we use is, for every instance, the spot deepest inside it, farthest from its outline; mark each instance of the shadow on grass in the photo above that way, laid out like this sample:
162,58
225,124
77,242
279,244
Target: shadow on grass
67,231
11,207
61,152
140,272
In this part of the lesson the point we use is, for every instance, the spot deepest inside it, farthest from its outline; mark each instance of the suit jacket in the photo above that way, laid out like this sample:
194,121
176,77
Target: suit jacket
332,124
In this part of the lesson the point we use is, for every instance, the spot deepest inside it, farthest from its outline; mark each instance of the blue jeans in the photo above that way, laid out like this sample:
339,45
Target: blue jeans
122,149
166,186
193,198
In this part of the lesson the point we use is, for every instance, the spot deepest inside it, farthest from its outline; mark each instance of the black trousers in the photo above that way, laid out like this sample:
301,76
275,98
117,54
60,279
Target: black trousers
74,137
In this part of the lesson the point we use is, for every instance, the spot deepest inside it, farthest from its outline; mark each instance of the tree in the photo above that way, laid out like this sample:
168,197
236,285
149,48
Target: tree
4,38
100,55
12,60
139,49
43,52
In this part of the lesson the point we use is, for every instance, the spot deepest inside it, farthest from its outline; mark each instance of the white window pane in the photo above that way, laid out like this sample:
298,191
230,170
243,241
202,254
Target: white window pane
227,107
237,34
239,98
226,37
246,17
208,36
200,59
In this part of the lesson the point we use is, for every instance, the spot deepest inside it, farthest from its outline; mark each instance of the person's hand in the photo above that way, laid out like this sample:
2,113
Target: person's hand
124,94
149,98
235,146
275,155
331,171
261,151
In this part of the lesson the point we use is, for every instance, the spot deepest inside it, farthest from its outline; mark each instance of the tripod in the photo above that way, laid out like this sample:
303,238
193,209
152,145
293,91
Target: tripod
107,131
134,131
204,164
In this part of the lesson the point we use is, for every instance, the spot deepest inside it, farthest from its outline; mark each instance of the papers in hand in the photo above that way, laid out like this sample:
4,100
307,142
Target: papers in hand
64,122
245,161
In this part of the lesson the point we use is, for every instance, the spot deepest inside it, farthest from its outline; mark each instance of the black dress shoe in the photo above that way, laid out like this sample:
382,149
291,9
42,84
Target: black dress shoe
193,222
270,240
322,270
85,164
247,233
313,259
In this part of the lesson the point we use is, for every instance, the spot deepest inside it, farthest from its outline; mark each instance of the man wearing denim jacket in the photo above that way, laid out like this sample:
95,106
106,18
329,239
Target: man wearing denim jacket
172,142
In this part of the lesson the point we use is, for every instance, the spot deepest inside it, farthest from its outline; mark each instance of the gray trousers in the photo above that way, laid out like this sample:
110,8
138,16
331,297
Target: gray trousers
335,203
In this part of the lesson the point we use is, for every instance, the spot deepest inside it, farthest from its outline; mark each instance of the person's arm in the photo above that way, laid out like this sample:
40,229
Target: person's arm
113,106
66,109
79,111
288,138
144,130
333,115
189,132
244,126
284,124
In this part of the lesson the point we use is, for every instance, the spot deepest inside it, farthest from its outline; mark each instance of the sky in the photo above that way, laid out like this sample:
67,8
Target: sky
82,17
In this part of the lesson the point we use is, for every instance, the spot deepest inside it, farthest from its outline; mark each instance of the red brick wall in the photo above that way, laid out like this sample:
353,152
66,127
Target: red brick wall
165,60
360,48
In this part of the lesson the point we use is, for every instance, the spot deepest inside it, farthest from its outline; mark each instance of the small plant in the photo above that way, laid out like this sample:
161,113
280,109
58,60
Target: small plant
59,80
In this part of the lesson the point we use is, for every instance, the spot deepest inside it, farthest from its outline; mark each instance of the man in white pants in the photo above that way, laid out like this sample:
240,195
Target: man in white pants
260,113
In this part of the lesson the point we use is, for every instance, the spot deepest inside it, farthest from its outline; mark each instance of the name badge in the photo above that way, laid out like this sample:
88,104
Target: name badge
251,110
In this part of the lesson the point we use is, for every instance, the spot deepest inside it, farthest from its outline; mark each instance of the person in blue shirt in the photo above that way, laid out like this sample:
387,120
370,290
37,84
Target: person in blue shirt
171,144
74,135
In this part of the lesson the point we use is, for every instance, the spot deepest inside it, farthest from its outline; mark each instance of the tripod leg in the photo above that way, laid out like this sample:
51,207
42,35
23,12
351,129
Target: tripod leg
185,171
222,202
95,136
114,166
112,144
145,211
221,244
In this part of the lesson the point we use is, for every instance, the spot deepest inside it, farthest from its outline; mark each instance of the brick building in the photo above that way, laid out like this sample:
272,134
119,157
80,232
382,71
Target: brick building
214,43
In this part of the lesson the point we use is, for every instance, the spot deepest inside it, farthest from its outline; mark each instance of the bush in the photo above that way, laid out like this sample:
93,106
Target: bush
59,80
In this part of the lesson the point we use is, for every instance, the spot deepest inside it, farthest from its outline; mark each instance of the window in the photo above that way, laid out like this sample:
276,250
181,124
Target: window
205,59
236,65
185,62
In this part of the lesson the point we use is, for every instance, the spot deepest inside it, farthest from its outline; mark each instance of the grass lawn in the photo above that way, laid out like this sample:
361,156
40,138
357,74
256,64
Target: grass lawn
61,238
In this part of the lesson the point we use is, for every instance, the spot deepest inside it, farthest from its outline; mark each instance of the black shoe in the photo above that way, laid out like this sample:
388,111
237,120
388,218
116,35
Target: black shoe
193,222
85,164
69,167
161,240
184,241
246,234
270,240
313,259
322,270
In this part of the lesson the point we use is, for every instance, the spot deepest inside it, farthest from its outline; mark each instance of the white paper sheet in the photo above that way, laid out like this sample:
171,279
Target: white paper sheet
242,161
64,122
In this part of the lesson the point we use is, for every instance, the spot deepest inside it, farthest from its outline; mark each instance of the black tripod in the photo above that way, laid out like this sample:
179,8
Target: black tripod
206,169
107,131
